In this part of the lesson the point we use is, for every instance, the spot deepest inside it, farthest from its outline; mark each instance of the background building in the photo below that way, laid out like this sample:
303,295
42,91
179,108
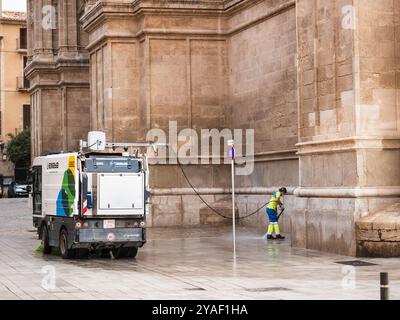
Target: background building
15,112
317,80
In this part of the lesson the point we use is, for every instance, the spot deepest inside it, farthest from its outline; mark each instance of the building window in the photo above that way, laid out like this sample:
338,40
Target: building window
23,38
22,82
26,81
26,116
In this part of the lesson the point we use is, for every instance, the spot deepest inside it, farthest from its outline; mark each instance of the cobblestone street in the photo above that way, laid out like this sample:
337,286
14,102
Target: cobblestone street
183,264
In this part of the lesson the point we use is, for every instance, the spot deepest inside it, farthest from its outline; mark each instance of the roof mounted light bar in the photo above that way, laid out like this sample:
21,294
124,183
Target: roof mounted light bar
97,142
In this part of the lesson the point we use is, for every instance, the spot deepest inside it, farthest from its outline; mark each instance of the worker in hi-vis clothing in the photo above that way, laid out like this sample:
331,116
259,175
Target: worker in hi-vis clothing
272,212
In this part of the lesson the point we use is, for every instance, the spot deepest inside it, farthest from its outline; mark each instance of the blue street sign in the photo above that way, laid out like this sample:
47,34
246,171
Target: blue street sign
231,153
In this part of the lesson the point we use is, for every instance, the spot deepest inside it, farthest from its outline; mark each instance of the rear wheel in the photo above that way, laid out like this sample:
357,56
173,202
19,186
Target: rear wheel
118,253
82,253
121,253
10,193
103,253
45,240
66,252
132,252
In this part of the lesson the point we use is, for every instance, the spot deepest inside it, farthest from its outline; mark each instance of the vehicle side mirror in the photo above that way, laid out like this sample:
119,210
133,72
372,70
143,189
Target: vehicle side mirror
30,177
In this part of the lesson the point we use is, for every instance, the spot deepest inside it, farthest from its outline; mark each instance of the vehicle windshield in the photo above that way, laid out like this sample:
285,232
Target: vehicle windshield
112,165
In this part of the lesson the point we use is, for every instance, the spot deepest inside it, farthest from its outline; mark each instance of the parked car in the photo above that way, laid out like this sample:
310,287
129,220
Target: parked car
6,184
19,189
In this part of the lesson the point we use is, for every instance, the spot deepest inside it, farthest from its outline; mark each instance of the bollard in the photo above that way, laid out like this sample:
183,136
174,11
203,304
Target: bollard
384,286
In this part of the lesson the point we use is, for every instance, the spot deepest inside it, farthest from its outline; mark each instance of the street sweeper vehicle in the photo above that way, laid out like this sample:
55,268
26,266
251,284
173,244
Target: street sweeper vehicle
92,200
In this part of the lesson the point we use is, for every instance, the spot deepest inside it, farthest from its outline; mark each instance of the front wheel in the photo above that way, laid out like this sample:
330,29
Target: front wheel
65,251
45,240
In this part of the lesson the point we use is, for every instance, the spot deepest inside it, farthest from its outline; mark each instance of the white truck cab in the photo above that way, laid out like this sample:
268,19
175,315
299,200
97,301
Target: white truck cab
91,200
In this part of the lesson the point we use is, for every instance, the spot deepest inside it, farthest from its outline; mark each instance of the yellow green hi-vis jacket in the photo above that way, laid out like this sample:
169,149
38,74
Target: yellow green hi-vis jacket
273,203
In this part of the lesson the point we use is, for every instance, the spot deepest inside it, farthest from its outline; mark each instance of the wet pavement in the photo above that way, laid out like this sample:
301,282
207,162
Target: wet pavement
183,264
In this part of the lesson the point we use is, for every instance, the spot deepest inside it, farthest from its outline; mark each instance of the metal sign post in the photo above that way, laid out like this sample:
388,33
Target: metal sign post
231,155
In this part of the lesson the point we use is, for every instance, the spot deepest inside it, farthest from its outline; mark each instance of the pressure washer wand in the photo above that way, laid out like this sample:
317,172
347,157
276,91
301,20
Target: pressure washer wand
280,215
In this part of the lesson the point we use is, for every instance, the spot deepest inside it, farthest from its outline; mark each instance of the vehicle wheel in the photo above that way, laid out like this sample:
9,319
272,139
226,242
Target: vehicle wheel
132,252
65,251
45,240
82,253
121,253
103,253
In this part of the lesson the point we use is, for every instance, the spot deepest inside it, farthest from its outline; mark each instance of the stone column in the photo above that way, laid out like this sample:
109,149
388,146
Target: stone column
348,120
44,14
29,22
68,26
59,78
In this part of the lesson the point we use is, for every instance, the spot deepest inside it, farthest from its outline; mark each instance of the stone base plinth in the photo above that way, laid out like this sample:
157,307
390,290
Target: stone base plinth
224,209
378,234
324,224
